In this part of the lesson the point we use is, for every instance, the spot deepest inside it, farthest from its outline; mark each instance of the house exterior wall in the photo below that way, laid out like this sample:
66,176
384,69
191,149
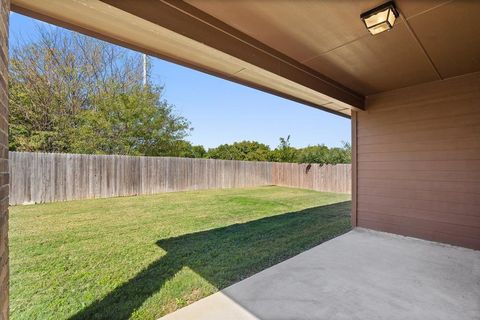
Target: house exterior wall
418,162
4,13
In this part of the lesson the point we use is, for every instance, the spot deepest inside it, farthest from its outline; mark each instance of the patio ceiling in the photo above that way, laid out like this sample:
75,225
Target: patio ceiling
318,53
437,39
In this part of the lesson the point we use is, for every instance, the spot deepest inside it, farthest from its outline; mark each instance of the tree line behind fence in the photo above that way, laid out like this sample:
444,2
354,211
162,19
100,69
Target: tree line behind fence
49,177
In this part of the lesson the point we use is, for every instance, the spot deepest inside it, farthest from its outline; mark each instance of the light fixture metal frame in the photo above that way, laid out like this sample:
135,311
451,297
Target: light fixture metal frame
382,7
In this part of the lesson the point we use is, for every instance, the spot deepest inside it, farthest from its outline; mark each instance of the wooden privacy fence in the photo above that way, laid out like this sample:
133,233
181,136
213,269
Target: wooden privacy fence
328,178
49,177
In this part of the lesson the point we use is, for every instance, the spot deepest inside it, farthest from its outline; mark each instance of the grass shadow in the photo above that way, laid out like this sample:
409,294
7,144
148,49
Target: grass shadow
225,255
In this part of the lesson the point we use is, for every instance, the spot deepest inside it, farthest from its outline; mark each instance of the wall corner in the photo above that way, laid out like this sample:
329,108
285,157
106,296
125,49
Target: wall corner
354,219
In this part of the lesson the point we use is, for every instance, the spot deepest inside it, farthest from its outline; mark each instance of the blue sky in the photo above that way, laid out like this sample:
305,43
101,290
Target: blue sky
221,111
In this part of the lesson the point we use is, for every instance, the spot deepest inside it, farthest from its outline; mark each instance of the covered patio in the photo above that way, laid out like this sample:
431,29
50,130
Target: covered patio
362,274
413,96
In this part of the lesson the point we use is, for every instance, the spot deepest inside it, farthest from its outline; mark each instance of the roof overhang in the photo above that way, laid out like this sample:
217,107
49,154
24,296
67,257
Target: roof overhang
315,52
180,33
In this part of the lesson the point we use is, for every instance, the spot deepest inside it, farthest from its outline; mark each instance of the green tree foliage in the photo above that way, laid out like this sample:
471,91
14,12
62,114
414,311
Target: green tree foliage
284,152
185,149
252,150
244,150
323,155
135,123
314,154
72,93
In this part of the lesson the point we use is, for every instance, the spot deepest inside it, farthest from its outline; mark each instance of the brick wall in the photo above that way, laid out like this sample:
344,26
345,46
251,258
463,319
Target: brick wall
4,12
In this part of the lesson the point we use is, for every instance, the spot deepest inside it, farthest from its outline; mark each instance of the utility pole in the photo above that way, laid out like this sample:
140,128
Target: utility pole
144,70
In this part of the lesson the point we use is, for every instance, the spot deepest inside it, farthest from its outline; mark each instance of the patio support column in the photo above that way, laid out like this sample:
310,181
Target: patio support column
4,177
354,169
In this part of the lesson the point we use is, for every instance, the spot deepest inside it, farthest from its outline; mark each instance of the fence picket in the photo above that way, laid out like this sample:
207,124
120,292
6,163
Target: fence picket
48,177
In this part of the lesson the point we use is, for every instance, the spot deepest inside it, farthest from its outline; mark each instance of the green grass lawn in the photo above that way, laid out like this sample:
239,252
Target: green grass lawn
146,256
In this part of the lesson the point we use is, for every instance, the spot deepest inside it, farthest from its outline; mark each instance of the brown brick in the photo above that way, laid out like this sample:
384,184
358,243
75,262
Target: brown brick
4,272
3,165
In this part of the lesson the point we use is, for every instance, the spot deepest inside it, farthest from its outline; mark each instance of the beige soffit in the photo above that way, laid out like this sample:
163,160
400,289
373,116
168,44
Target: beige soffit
432,39
104,21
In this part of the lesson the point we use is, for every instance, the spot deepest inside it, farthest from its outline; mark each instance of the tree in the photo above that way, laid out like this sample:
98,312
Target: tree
72,93
323,155
341,155
135,123
244,150
284,152
256,151
314,154
185,149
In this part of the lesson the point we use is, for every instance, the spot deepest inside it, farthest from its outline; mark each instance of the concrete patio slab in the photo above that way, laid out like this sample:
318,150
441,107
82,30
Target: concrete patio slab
363,274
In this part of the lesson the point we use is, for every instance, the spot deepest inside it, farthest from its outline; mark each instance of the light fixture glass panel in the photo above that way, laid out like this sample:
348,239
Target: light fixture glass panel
391,19
381,18
377,18
379,28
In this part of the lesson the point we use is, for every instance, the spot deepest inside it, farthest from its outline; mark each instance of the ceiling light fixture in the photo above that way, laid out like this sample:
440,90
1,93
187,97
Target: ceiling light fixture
381,18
